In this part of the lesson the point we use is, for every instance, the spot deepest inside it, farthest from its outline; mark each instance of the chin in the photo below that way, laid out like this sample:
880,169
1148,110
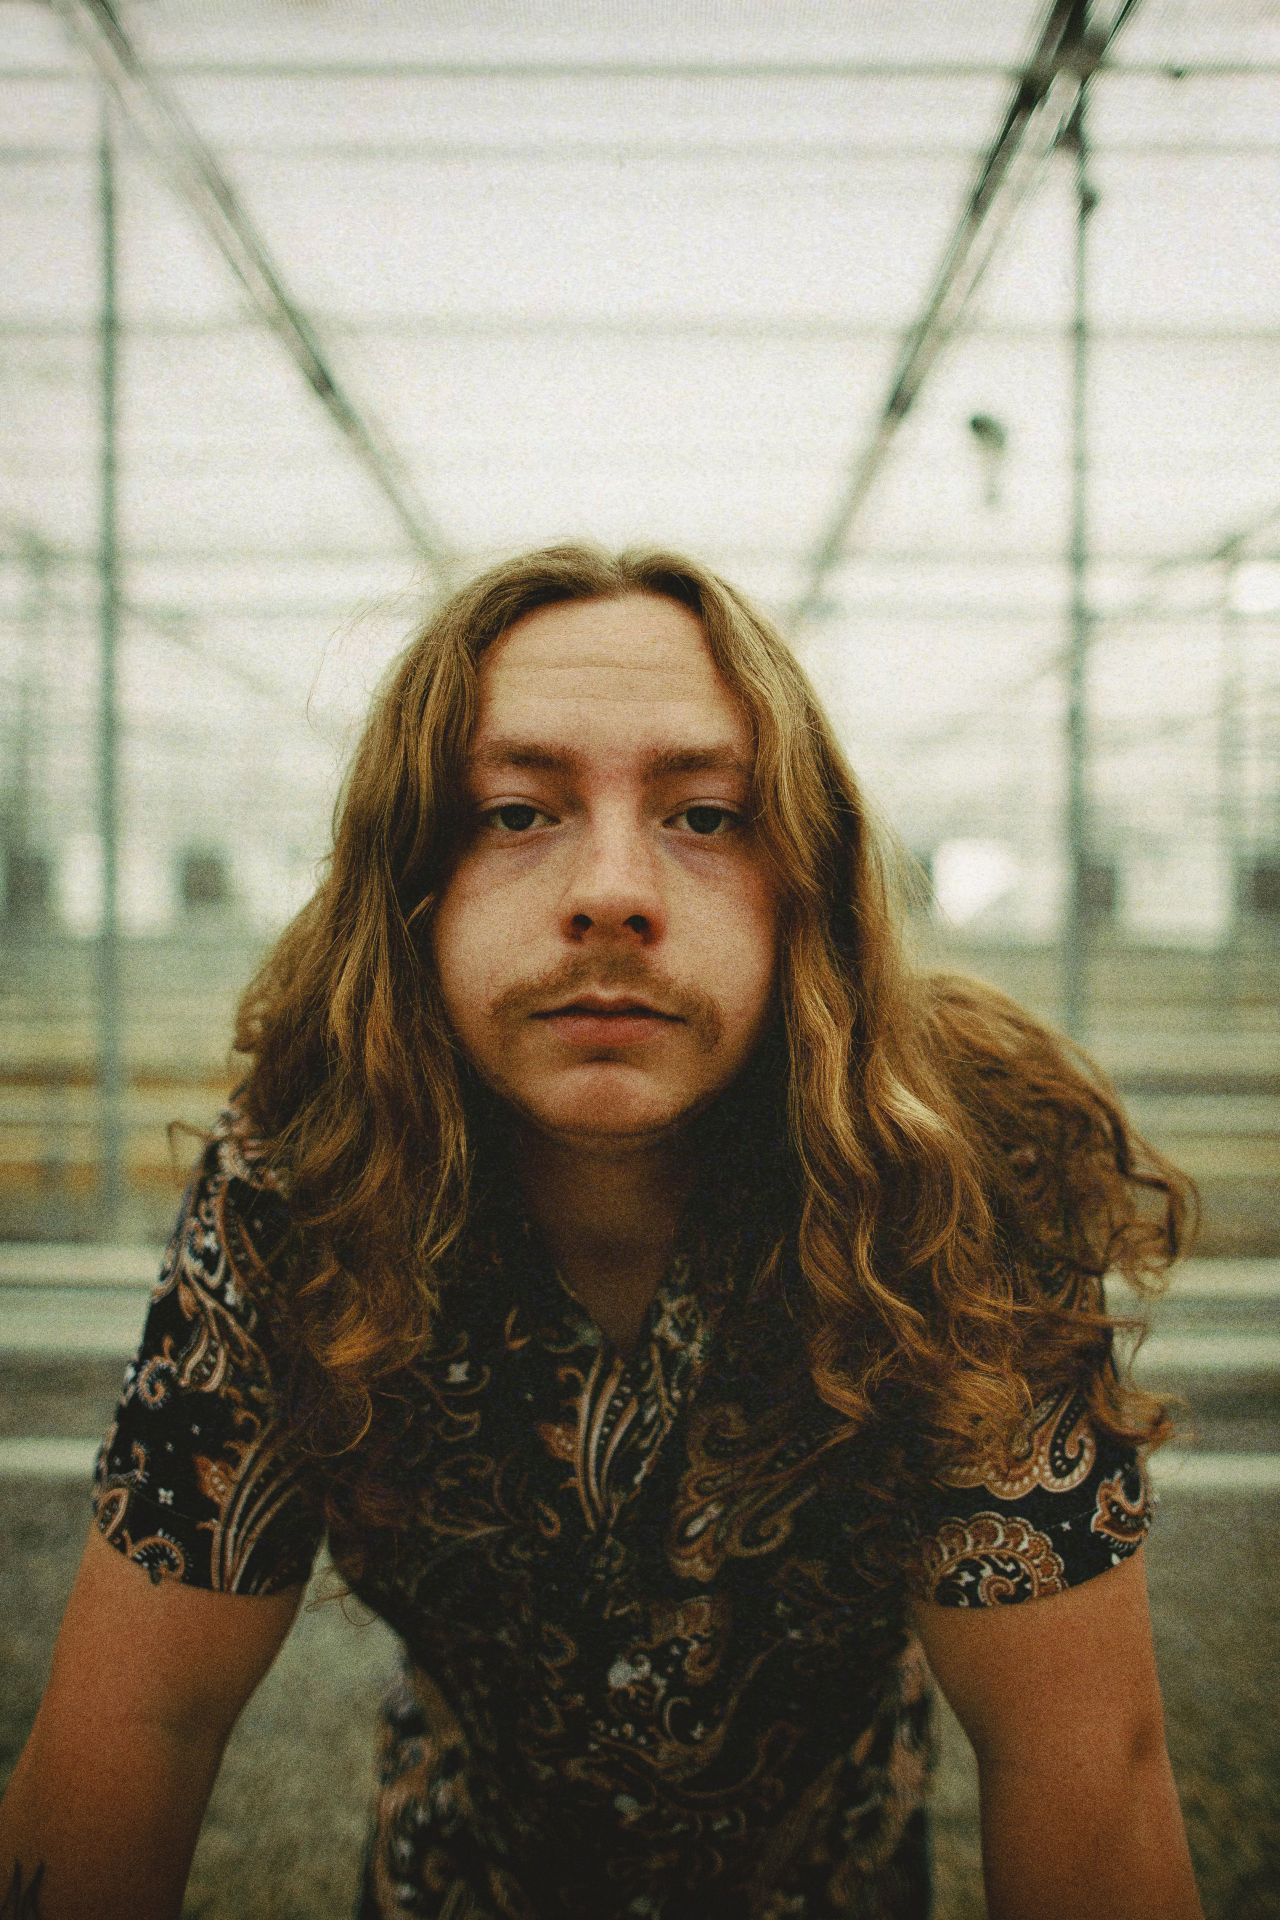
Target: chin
596,1115
594,1125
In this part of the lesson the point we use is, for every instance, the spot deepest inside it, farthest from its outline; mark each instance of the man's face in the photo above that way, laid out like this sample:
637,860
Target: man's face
610,863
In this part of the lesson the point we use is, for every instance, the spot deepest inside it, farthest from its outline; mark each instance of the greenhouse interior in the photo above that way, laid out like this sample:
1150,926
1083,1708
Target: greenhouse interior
949,334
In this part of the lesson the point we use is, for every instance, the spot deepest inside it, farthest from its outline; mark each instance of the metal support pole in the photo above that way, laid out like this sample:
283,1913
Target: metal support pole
21,828
162,124
111,1087
1075,916
1231,754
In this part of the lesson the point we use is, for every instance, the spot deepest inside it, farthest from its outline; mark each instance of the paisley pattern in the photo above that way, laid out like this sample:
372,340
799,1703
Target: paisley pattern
994,1558
1057,1453
194,1480
1121,1511
1060,1506
646,1670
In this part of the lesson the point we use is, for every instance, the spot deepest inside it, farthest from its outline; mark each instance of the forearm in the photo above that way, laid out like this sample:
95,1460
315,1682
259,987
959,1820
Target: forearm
110,1836
1053,1848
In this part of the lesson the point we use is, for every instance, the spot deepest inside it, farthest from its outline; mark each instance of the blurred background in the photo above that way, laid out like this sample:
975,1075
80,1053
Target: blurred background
951,332
310,308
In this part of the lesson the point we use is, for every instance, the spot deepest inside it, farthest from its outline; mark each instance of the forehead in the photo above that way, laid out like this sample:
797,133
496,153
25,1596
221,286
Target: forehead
635,669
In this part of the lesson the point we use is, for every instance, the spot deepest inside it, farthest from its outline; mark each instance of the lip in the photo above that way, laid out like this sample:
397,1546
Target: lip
595,1006
584,1024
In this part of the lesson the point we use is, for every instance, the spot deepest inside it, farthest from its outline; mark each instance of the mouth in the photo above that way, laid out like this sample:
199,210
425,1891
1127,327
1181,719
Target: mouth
594,1020
591,1008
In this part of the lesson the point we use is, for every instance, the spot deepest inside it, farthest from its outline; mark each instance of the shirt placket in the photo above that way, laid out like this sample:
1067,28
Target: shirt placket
631,1404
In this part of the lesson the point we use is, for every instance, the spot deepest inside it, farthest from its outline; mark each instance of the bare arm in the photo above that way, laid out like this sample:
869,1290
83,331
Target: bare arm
105,1804
1061,1701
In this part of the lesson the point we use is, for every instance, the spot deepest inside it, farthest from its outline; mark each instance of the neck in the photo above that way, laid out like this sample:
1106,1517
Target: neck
606,1210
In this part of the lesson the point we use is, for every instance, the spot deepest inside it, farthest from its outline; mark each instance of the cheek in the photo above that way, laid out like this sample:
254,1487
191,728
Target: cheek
766,920
475,912
741,946
457,943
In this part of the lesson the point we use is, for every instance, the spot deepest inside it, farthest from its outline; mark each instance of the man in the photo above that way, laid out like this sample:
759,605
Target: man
677,1313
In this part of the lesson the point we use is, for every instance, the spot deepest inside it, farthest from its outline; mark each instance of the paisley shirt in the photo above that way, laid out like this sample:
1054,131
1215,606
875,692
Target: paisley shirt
646,1669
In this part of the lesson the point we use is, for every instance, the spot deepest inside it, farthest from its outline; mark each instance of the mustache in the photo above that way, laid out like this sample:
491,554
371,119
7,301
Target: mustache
560,984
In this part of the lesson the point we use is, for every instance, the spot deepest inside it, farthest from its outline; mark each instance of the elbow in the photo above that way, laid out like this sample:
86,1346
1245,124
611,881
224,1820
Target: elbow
1145,1751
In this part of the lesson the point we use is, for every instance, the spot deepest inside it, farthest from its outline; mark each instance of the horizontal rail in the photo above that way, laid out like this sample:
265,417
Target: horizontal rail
68,1265
83,1263
1240,1355
1213,1116
1174,1470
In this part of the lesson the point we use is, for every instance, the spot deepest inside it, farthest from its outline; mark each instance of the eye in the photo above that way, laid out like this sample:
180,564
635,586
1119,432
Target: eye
513,817
710,822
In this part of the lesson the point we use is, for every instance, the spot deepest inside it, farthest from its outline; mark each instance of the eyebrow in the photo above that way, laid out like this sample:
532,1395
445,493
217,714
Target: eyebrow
538,757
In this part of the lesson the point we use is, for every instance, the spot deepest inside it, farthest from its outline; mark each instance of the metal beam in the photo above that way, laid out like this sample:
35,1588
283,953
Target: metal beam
757,329
221,554
184,623
111,1077
162,125
539,70
1077,823
1043,101
1232,742
410,69
696,151
1144,609
177,625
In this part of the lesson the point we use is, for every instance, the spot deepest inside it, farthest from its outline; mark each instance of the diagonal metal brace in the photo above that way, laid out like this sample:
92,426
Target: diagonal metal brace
1045,98
163,126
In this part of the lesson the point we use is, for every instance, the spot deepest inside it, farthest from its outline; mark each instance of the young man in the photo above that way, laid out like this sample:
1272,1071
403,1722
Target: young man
676,1312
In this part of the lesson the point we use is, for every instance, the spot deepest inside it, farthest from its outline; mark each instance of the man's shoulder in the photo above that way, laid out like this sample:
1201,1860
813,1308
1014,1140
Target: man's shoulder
238,1149
239,1192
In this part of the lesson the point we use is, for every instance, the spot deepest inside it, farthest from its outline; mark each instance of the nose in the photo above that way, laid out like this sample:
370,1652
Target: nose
613,889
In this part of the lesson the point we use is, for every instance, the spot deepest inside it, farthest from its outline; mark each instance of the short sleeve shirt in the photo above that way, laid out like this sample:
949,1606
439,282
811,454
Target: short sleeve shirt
196,1479
646,1669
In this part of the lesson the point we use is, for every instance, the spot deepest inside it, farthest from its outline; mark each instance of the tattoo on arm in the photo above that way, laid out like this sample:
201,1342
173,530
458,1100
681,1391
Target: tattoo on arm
22,1900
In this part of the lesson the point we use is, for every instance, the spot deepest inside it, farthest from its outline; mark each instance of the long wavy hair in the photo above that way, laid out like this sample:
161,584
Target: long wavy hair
959,1177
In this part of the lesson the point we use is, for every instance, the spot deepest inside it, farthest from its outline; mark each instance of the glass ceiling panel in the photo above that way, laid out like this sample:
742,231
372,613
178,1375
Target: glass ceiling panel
665,30
1188,241
396,105
1183,33
1193,109
655,300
